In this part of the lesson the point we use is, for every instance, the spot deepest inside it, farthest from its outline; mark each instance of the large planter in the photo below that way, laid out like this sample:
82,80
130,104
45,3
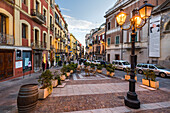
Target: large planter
99,71
154,84
54,83
145,82
71,71
63,77
112,74
108,73
44,93
127,77
68,74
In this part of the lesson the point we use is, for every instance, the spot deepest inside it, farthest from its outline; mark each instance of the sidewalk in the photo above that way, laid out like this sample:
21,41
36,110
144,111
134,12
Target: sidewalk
100,94
9,90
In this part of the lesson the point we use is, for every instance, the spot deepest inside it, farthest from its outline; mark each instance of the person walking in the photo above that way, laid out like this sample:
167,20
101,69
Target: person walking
43,66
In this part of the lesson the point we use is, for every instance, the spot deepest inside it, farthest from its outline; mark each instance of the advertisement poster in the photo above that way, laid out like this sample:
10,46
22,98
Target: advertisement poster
154,40
26,61
18,64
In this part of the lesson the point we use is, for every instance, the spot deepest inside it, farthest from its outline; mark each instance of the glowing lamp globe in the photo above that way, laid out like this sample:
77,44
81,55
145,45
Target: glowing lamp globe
137,20
145,10
121,17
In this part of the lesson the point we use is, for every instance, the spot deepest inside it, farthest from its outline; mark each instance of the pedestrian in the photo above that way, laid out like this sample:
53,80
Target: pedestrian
43,66
47,64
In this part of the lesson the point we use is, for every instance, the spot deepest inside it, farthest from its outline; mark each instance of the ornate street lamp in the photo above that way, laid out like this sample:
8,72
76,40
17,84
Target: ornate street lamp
131,100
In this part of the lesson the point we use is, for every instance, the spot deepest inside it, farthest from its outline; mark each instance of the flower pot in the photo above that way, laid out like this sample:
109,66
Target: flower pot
112,74
68,74
99,71
145,82
71,71
63,77
127,77
44,93
154,84
54,83
108,73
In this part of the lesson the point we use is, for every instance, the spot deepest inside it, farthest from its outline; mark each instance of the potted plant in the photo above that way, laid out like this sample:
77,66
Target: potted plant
153,82
99,68
55,80
71,68
46,84
68,70
145,80
127,76
108,71
57,77
112,70
63,71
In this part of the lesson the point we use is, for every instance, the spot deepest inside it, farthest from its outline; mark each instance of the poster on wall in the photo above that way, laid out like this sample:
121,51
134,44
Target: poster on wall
154,40
18,64
27,60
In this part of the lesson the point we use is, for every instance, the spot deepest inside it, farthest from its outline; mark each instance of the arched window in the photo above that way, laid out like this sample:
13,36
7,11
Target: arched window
2,24
24,31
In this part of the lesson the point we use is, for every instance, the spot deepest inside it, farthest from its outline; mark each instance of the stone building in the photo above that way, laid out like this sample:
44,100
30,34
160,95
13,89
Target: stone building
119,41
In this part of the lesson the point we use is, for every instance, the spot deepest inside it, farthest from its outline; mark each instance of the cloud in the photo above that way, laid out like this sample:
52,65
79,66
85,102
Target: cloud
79,27
64,9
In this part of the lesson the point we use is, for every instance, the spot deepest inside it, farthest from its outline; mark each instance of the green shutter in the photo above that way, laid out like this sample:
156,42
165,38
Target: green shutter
117,39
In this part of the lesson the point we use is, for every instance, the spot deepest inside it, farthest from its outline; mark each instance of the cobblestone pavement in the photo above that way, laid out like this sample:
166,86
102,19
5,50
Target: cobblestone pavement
9,90
100,94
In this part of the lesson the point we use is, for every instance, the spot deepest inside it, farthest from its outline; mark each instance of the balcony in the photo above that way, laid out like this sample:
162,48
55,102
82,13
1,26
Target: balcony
97,52
51,46
52,27
11,1
6,39
37,45
37,16
44,45
138,45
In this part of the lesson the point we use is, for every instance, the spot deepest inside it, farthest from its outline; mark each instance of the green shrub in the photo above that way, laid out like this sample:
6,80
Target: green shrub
63,69
128,70
57,77
45,79
99,67
149,75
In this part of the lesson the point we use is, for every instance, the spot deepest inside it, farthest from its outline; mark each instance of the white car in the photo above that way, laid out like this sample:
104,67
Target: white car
121,64
88,61
97,62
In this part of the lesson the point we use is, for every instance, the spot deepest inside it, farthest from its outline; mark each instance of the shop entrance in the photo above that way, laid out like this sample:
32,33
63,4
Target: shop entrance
6,65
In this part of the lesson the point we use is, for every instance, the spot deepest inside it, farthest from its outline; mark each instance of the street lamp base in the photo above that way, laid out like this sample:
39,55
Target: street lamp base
135,104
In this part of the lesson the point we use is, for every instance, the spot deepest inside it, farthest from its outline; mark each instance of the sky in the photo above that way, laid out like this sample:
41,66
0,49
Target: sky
84,15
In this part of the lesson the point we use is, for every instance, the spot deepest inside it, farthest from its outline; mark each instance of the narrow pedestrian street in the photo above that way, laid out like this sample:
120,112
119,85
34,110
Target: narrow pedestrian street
100,94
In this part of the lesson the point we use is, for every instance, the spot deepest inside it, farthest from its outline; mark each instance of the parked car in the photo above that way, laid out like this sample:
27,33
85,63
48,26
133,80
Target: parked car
159,70
121,64
97,62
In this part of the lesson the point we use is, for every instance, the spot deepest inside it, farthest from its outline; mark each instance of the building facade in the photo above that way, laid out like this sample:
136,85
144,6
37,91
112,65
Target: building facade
31,32
118,42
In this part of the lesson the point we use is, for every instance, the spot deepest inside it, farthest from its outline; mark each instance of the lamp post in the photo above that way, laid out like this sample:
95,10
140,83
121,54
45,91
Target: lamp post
131,100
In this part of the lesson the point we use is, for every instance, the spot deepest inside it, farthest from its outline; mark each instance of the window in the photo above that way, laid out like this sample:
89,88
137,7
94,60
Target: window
44,13
24,2
117,40
99,37
151,67
2,24
103,36
108,26
145,66
116,24
24,28
108,41
139,65
136,38
50,20
120,63
37,6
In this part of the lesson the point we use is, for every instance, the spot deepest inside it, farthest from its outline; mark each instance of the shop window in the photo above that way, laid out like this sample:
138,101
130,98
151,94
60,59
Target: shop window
18,55
2,24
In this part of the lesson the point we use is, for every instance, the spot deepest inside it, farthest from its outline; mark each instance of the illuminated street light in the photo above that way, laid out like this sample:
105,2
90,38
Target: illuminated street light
131,100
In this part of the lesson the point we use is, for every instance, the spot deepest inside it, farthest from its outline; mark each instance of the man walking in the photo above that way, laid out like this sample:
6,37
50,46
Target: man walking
43,66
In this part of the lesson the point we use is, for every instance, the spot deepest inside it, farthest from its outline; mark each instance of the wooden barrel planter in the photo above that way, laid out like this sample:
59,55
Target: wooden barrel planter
27,98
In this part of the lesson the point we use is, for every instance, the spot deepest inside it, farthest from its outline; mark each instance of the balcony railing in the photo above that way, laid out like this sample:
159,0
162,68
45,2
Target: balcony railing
37,16
37,45
11,1
6,39
44,45
51,46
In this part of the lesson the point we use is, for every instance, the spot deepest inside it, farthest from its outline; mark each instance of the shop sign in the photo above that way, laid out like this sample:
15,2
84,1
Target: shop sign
18,64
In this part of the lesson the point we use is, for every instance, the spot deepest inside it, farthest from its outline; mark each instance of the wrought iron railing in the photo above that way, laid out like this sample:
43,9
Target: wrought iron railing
6,39
34,12
37,45
52,27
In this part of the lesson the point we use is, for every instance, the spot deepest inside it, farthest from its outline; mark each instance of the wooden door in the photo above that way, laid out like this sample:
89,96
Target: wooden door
6,64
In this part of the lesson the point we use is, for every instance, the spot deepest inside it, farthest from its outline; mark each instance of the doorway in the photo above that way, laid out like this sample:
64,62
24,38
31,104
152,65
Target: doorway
117,57
108,57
